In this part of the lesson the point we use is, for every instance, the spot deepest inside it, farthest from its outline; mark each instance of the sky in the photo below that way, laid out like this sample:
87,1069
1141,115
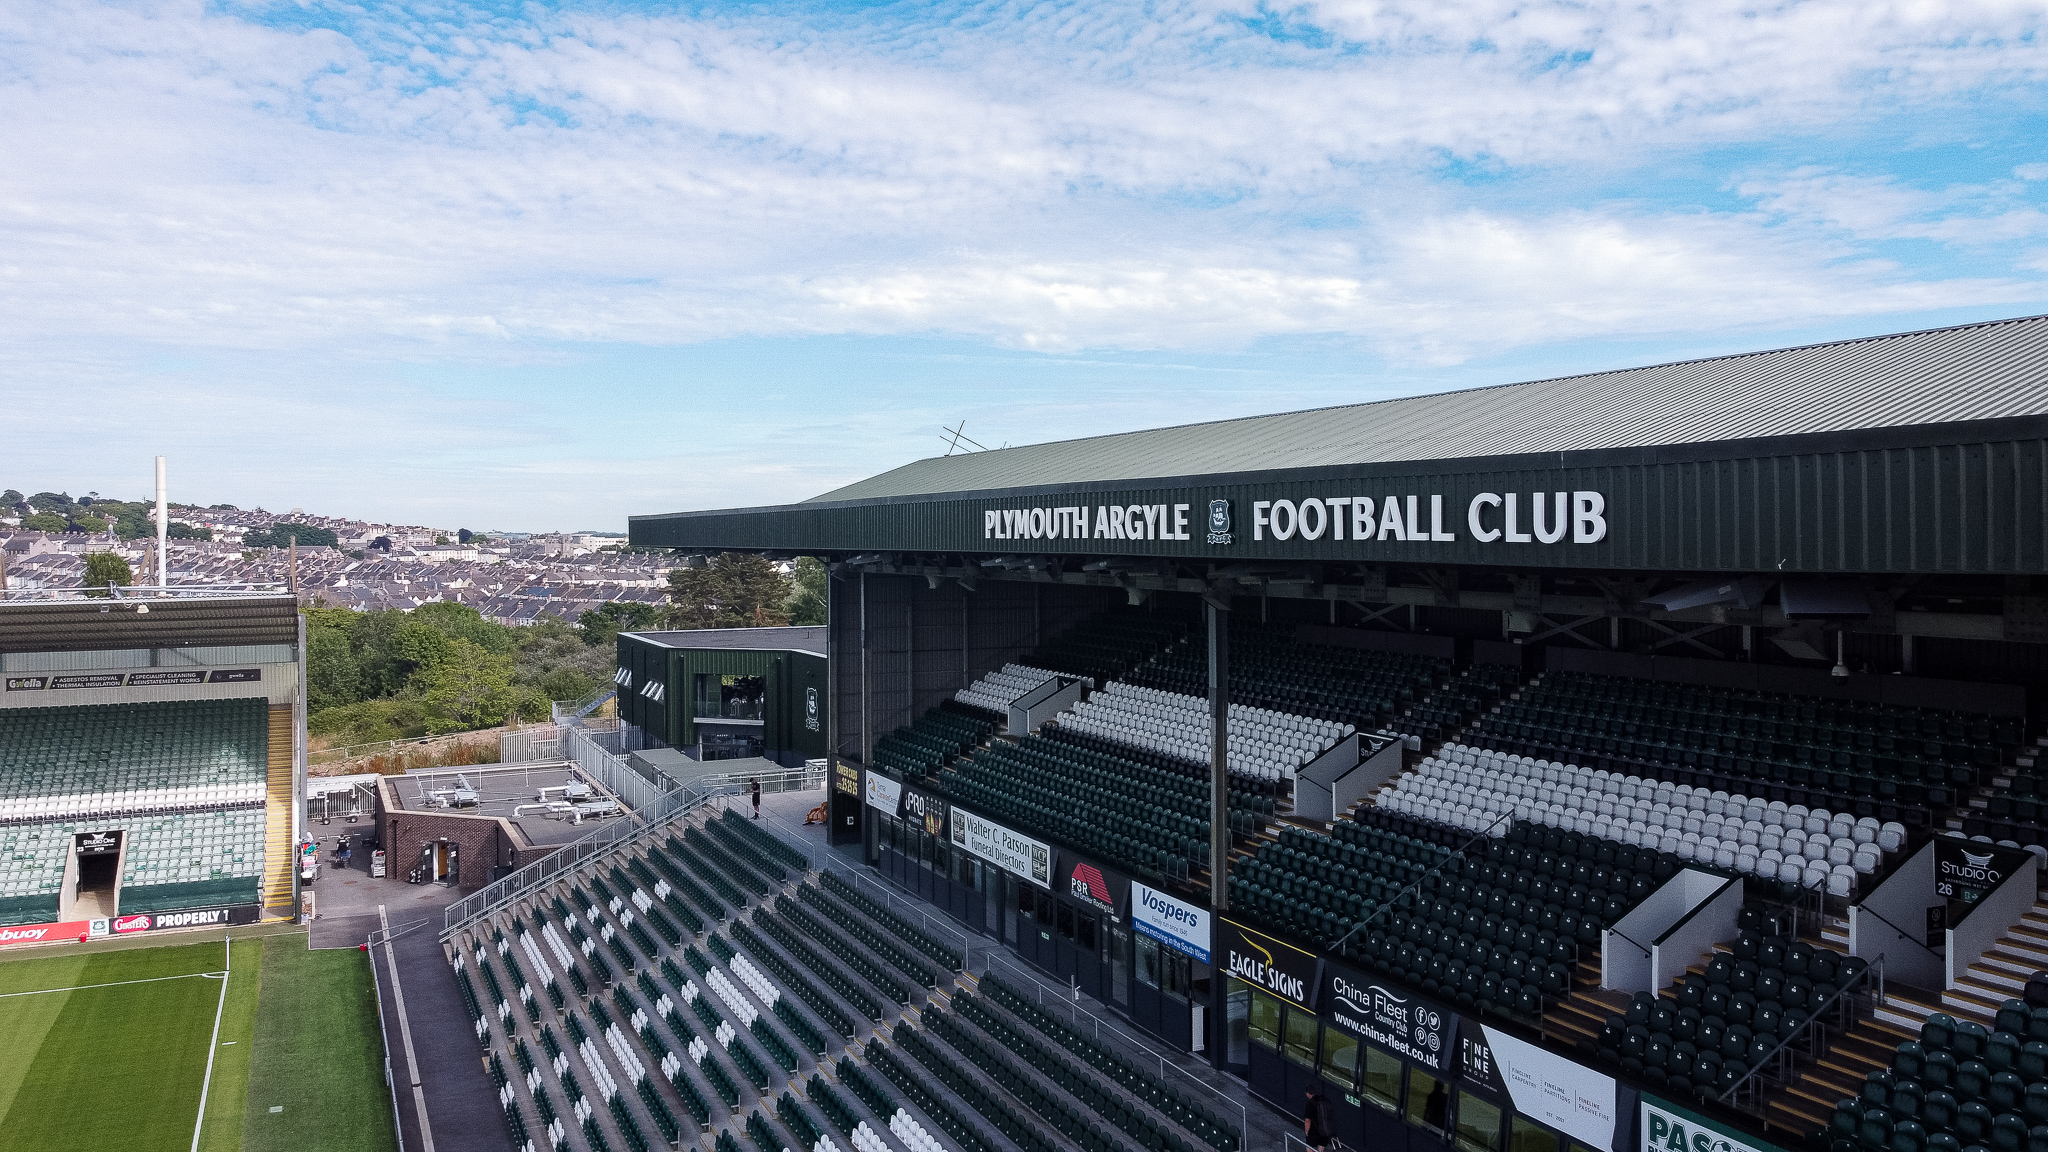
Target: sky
533,267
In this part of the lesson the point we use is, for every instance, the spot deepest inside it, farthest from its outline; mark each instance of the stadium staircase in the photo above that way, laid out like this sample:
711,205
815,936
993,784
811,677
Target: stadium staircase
696,985
278,850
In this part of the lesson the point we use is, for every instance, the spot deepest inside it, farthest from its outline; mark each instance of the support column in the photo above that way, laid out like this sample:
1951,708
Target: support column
1218,618
867,697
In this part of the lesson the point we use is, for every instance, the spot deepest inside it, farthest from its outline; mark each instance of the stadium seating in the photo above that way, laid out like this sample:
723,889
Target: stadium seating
1895,763
1141,816
1960,1085
186,860
995,692
1498,928
1108,645
1475,690
1264,744
102,759
1270,669
937,737
1771,840
1745,1006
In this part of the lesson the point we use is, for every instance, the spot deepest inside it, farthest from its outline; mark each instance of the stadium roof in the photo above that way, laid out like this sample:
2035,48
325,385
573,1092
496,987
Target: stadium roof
1970,372
794,638
87,625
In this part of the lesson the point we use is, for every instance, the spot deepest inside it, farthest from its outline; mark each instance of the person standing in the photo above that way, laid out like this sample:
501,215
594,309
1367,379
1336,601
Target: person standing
1315,1121
754,787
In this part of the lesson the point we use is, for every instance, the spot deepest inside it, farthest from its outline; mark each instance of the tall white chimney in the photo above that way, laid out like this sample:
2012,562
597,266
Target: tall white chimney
163,530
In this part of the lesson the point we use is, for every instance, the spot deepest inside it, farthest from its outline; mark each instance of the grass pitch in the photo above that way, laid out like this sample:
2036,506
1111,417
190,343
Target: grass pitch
110,1049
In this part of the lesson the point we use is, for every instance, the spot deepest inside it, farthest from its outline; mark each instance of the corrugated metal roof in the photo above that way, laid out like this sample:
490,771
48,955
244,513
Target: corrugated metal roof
792,638
1970,372
104,625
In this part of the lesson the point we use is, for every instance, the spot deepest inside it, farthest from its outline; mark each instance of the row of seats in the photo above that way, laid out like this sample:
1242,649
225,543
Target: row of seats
1727,831
1109,644
996,691
1474,690
1070,795
1271,668
213,857
937,737
1960,1085
108,802
1264,744
91,758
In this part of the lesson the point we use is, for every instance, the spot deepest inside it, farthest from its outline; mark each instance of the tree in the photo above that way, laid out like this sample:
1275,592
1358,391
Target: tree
600,627
46,522
462,535
281,535
105,569
179,530
89,524
10,498
733,591
807,605
472,688
333,678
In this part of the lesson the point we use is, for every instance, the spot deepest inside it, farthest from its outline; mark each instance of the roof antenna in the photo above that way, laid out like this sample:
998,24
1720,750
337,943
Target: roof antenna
955,438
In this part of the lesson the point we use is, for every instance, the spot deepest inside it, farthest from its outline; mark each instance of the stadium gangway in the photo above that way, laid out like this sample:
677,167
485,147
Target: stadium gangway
653,810
1063,1001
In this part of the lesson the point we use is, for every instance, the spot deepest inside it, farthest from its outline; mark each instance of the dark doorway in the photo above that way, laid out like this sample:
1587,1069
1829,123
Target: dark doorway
99,872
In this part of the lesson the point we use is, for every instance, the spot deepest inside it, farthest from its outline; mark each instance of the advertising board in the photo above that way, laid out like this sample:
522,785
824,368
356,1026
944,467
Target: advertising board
1177,924
1016,854
1545,1087
1389,1019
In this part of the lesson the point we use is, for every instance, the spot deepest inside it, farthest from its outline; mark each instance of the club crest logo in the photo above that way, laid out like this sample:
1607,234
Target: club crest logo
1219,522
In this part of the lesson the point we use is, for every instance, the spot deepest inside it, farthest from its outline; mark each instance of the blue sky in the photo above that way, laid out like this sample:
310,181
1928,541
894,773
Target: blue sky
544,266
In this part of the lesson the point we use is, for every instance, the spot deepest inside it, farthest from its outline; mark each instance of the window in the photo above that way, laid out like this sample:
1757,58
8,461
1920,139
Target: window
1340,1058
1526,1137
1119,966
1148,962
1301,1037
1067,922
1265,1020
1237,1007
1478,1124
1173,973
721,697
1428,1101
1381,1082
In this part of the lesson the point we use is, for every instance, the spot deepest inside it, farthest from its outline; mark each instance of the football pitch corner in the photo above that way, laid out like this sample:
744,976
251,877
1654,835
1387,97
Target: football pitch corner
258,1044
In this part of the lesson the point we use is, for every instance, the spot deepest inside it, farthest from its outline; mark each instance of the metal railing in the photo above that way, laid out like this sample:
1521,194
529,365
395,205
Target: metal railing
651,808
1063,1000
376,938
890,900
148,592
1808,1043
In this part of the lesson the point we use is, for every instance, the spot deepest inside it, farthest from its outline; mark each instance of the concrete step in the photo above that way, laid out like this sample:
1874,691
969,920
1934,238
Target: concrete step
1972,1000
1997,976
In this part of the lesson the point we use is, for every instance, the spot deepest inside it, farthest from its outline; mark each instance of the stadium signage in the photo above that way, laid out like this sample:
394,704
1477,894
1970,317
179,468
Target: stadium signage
193,918
925,810
1966,870
155,678
883,793
1269,965
1570,1097
1555,517
1021,856
1094,885
1405,1025
44,933
1669,1128
1180,926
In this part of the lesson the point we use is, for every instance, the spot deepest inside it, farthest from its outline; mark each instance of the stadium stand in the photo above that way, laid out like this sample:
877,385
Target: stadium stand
187,781
1264,744
1771,840
682,1035
1109,644
108,758
995,692
1270,669
932,742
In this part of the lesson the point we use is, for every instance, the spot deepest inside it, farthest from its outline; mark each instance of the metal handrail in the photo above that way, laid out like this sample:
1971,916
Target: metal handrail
1076,1012
1630,939
1866,910
1811,1031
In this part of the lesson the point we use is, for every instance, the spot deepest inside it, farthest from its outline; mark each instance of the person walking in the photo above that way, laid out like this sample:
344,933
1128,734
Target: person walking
1315,1121
754,786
